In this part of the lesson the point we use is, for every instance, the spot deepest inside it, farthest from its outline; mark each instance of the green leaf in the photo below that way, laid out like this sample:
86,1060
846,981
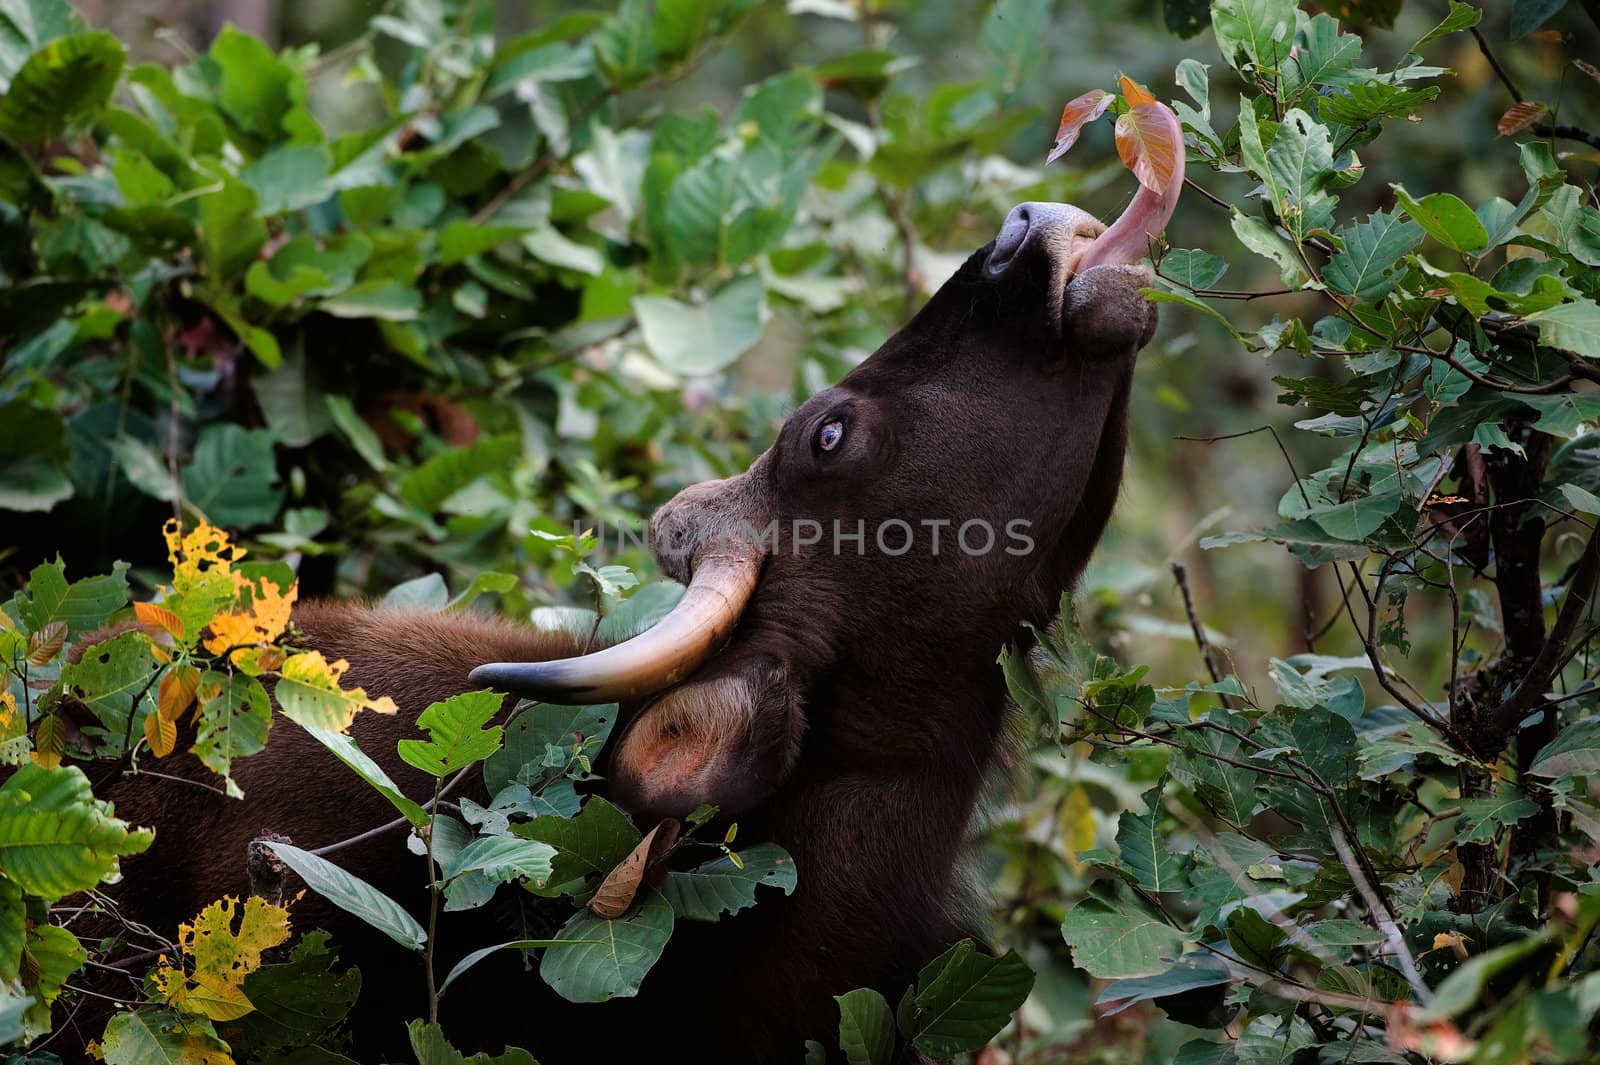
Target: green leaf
591,843
1529,15
234,724
1483,819
1114,937
1573,326
296,1001
352,895
456,736
1581,499
1564,415
1192,972
256,90
722,886
428,592
25,25
624,48
435,481
289,178
1262,29
357,431
1356,519
1373,249
502,859
13,930
1262,239
462,240
156,1036
1142,848
962,999
866,1028
1298,165
55,837
111,676
1461,17
1193,268
61,86
232,477
1446,219
388,301
531,734
1013,34
608,959
1575,751
431,1048
84,605
1462,988
344,748
704,338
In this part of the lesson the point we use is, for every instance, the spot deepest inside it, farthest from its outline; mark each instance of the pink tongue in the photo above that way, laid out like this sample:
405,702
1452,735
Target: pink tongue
1130,236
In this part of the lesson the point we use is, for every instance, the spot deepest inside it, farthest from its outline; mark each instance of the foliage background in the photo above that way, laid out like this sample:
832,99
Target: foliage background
519,341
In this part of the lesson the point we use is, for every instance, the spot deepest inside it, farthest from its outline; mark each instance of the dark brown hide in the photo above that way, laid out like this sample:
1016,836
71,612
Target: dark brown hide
851,717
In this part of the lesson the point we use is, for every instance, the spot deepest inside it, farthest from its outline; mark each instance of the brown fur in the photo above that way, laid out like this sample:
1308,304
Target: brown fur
852,716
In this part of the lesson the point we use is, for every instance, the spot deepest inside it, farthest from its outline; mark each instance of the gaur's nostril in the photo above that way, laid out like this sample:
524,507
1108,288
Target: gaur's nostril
1013,235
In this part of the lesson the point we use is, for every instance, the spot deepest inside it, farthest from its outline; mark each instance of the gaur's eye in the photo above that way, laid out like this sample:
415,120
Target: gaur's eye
829,435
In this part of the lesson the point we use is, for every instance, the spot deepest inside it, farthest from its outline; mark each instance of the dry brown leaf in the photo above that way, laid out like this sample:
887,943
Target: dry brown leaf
1145,143
46,643
620,886
1133,92
1520,116
1588,68
1077,114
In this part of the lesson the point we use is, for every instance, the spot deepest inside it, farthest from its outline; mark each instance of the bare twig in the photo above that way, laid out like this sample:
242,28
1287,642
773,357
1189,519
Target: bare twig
1382,915
373,833
1181,576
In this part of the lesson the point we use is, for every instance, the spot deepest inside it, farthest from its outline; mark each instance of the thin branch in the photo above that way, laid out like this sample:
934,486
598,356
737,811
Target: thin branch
390,826
1382,915
1547,388
1181,576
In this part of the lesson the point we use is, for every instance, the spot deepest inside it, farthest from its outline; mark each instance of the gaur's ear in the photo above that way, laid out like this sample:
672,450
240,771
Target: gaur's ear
1104,315
728,740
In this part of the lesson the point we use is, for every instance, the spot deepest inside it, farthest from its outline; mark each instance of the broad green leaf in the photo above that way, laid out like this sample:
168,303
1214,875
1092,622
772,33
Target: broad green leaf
1142,848
1262,239
1356,519
462,240
721,886
502,859
866,1028
389,301
84,605
232,477
1573,326
1262,29
296,1001
435,481
1565,414
114,679
456,736
156,1036
428,592
233,724
1193,971
703,338
608,959
289,178
1581,499
1446,219
1366,268
1268,1040
60,86
1115,937
1462,988
257,90
962,999
1193,268
26,25
357,431
1576,751
1298,166
1461,17
428,1043
537,728
591,843
55,837
353,895
1529,15
1483,819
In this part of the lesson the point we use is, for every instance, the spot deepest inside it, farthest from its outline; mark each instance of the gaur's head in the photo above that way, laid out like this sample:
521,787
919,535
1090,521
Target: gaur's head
903,523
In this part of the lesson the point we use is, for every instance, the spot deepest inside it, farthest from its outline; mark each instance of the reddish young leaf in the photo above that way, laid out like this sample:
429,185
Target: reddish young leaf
1077,114
1147,145
1134,93
1520,116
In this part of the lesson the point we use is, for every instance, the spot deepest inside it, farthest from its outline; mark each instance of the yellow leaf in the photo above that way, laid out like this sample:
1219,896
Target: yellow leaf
161,734
177,691
309,692
217,956
1077,825
49,741
202,572
159,621
262,616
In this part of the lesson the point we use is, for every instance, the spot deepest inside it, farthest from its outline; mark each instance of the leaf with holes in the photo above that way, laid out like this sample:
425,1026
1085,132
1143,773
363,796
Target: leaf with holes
720,886
608,959
962,999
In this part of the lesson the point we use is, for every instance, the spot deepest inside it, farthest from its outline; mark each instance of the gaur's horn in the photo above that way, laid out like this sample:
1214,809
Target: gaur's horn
657,658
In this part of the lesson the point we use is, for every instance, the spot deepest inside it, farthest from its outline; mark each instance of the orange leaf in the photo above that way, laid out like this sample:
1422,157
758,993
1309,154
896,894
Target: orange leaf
1077,114
157,620
1520,116
1134,93
161,734
176,693
46,643
1145,143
